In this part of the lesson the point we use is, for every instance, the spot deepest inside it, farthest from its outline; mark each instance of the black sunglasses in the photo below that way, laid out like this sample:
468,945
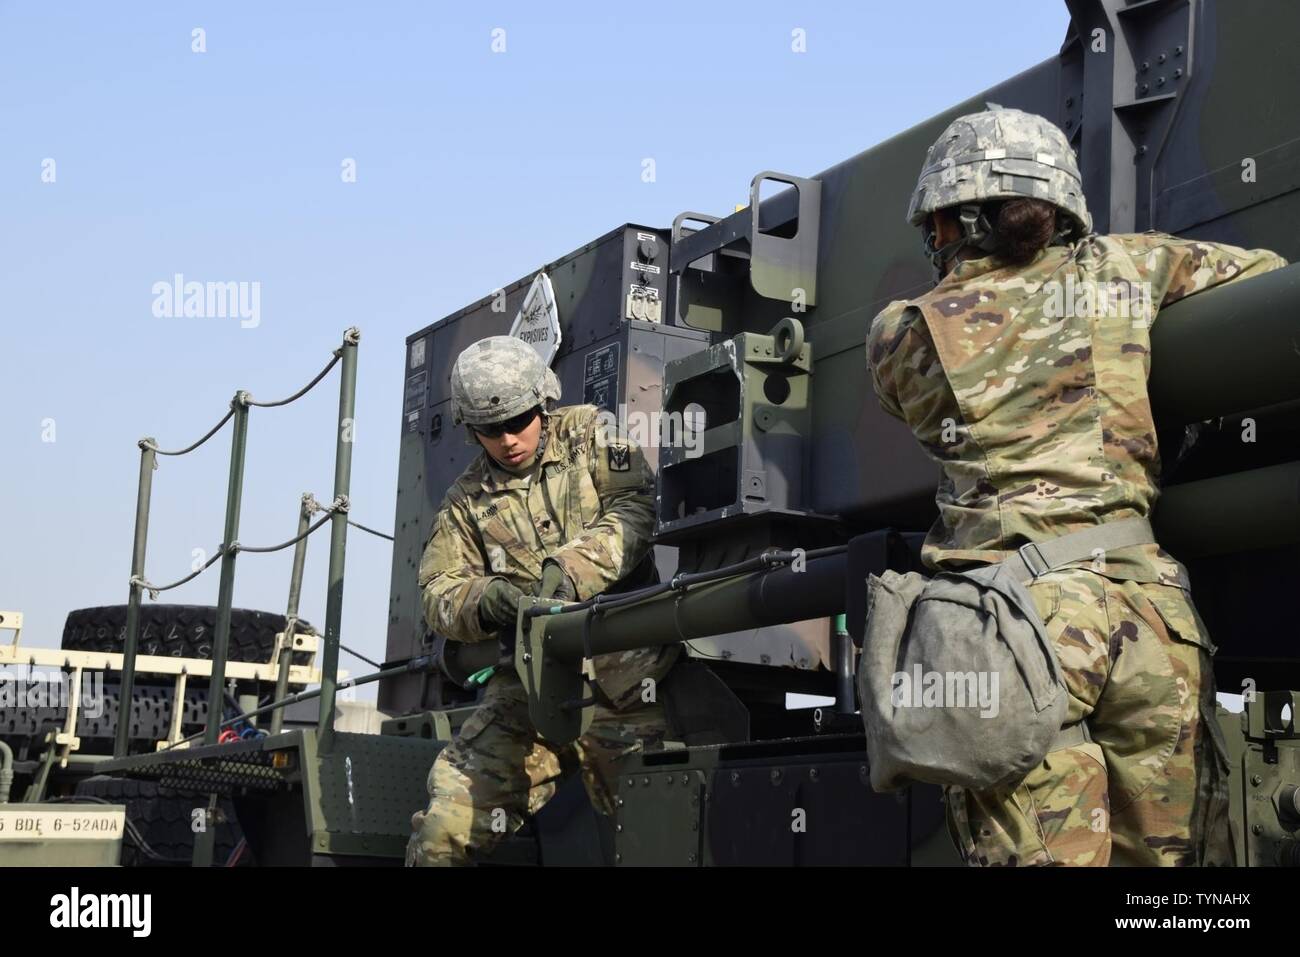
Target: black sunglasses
514,426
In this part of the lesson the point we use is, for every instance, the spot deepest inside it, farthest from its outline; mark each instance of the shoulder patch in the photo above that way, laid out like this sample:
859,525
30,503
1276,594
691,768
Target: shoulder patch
620,457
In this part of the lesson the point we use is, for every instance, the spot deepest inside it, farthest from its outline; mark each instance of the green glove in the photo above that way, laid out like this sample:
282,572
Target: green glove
556,584
499,604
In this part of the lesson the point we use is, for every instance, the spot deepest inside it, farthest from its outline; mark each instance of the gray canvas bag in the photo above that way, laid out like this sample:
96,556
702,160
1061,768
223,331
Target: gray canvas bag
958,680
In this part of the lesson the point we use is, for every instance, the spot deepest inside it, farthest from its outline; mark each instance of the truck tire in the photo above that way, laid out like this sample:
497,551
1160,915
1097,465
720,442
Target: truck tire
179,631
162,834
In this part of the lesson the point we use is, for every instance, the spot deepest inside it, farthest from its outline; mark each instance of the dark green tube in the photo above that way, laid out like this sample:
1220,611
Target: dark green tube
1231,349
148,462
226,589
1231,513
763,598
338,540
285,658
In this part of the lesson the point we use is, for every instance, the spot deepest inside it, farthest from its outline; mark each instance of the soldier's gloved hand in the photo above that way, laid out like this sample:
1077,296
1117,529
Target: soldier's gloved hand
556,584
499,604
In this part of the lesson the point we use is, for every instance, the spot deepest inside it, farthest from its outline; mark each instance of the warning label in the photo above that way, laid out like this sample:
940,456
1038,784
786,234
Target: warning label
600,378
415,392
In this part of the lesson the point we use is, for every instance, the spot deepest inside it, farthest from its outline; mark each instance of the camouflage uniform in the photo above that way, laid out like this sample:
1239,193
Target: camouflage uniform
586,504
1037,410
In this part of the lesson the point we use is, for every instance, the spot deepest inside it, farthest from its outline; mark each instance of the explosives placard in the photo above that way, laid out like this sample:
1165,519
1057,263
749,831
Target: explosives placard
538,321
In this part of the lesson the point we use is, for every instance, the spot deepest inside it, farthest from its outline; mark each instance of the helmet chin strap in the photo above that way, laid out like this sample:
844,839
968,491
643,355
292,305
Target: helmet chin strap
976,233
545,434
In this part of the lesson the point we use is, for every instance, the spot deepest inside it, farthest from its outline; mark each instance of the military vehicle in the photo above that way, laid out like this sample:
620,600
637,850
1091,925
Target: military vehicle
745,333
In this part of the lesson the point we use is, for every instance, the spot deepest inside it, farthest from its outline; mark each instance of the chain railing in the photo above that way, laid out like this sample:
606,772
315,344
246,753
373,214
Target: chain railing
335,514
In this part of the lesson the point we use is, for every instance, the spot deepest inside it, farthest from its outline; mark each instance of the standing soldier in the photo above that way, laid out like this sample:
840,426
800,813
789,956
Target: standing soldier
552,506
1024,375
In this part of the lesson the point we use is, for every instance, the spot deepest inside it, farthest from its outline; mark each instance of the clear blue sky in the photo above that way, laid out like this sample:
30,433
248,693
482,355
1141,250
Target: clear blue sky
472,169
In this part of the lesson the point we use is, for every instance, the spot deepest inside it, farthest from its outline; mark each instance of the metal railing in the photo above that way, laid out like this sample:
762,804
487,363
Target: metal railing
335,513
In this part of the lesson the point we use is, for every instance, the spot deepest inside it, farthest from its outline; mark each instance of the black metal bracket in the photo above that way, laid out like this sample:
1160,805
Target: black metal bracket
1125,65
774,243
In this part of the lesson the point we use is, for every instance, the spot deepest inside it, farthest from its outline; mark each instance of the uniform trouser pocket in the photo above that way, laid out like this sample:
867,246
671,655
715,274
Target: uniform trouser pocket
1173,799
1210,829
1057,815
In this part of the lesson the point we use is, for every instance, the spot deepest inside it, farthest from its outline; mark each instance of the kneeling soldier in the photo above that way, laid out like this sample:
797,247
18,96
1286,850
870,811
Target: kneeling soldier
550,507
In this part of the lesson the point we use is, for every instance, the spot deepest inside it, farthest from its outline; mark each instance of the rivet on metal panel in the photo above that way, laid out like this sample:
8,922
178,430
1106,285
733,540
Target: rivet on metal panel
645,781
776,776
692,858
813,774
1256,780
631,782
686,779
735,778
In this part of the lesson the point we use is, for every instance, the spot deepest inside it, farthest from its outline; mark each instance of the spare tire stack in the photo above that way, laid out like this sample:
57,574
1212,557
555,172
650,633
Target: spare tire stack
179,631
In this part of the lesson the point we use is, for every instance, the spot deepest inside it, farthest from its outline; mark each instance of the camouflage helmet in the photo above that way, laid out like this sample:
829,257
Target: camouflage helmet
496,379
1001,154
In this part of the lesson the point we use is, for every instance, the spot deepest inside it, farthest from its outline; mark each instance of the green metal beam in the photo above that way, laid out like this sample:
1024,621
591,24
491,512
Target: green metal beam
338,538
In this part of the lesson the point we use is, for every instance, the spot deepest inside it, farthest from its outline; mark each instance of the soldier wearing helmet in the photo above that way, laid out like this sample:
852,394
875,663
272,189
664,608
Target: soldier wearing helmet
552,507
1023,373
